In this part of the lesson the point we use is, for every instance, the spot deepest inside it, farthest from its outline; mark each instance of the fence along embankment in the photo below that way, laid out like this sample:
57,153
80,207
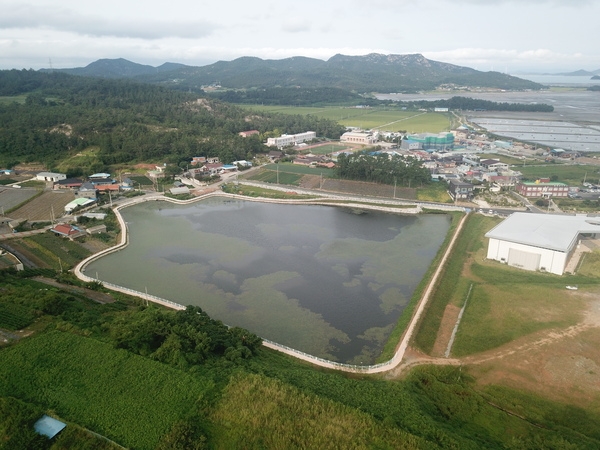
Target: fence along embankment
370,369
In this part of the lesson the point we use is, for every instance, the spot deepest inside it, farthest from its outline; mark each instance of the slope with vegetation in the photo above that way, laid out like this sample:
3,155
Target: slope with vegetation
147,378
119,122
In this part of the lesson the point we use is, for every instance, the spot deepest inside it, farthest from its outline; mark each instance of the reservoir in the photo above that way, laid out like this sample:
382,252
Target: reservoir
328,281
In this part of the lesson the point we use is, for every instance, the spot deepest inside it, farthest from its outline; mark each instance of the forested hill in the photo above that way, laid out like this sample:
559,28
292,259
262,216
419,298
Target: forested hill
369,73
126,121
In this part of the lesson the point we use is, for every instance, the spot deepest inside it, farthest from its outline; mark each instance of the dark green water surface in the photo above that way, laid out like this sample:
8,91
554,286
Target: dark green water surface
319,279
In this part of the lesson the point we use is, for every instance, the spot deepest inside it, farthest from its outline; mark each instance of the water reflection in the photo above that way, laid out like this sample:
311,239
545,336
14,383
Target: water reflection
318,279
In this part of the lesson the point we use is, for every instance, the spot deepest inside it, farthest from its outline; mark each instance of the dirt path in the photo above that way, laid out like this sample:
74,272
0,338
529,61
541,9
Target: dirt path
560,363
99,297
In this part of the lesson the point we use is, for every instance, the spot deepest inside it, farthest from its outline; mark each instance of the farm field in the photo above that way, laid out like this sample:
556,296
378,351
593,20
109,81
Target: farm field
370,118
140,180
287,173
104,389
44,207
310,178
11,197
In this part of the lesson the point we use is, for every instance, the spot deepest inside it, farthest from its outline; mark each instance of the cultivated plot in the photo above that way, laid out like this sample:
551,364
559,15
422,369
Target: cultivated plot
11,197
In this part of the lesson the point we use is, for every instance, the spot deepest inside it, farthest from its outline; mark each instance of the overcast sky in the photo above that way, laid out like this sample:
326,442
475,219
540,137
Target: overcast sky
504,35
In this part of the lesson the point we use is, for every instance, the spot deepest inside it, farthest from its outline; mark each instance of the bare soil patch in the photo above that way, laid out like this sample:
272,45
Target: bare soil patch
563,365
94,245
445,331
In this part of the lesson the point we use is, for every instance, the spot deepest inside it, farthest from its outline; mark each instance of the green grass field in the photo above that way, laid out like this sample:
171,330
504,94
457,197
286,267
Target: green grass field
565,173
434,192
327,149
246,411
368,118
300,169
271,176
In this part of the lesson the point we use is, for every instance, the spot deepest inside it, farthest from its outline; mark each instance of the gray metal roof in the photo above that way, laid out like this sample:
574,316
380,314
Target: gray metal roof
551,231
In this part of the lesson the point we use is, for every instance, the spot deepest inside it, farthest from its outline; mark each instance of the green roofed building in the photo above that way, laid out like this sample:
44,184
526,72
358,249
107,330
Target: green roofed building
78,202
430,141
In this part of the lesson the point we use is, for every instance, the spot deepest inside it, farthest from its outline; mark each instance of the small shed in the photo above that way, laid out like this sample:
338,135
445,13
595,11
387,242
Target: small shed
96,229
180,190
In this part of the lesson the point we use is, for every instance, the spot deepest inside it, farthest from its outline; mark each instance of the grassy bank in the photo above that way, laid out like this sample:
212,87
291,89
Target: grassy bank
394,338
451,286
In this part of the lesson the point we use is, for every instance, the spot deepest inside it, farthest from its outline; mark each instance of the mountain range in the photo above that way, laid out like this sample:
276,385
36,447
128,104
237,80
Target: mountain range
369,73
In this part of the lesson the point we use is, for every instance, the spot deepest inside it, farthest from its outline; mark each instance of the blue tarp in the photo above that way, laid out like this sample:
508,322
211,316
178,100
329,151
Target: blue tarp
47,426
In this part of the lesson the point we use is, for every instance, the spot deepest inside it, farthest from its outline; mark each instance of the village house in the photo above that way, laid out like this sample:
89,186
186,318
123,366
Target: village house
460,190
68,231
275,155
68,183
87,190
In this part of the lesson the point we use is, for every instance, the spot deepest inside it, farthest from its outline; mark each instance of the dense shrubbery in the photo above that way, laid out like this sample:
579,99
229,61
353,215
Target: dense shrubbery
16,426
379,168
182,338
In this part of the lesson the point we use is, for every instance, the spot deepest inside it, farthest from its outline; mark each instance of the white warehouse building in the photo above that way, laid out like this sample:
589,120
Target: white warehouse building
291,139
539,241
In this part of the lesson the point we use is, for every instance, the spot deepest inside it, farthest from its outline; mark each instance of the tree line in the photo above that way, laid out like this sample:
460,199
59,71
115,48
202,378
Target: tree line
378,167
472,104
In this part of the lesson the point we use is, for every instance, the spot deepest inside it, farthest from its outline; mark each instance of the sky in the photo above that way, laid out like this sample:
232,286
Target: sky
510,36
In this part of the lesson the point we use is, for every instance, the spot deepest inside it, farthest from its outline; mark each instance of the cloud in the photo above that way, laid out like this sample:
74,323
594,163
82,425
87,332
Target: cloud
295,27
56,18
507,60
568,3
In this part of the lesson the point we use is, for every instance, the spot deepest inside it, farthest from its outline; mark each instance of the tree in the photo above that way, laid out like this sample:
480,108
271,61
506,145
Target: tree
171,171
